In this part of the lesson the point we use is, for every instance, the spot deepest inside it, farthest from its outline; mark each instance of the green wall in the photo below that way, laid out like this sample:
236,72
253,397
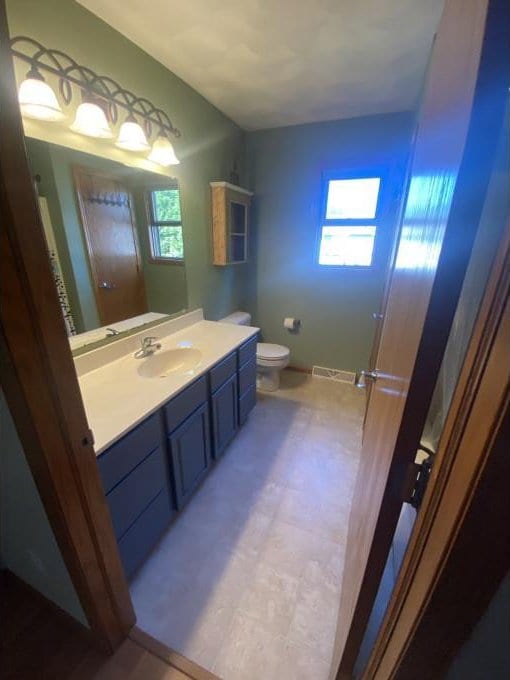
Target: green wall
335,305
209,144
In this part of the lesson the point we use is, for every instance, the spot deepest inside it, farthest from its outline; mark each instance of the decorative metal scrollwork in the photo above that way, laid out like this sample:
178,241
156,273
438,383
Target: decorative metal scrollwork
69,73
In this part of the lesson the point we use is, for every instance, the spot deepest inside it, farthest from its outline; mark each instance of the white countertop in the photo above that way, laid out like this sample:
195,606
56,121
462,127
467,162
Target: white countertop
117,398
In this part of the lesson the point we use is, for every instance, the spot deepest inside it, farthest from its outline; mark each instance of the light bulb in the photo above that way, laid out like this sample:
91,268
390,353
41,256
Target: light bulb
90,120
131,136
163,152
37,99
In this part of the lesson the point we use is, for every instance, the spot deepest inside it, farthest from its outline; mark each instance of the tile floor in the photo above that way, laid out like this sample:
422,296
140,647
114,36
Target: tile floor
247,580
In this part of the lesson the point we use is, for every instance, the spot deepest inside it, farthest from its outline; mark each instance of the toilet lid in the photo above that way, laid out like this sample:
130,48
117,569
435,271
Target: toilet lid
268,351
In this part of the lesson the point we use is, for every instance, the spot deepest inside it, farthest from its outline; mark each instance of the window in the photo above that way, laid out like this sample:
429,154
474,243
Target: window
165,224
349,221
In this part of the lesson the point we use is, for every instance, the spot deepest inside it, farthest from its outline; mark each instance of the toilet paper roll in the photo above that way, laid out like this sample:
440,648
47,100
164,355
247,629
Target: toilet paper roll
291,324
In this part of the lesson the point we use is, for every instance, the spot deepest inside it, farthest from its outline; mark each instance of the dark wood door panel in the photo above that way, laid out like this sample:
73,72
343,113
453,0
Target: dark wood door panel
109,225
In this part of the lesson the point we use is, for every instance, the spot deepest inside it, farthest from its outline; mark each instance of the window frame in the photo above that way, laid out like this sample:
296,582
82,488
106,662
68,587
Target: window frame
153,225
326,178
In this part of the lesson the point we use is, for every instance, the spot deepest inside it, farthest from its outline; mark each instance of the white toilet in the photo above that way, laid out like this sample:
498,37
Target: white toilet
271,359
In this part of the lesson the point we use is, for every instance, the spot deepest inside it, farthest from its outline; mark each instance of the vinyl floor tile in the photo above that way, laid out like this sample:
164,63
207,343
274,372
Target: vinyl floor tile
247,580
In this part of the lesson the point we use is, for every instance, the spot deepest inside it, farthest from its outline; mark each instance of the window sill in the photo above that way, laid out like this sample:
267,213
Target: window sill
166,260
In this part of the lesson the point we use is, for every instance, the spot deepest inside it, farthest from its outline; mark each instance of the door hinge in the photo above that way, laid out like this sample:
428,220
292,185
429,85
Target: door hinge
417,480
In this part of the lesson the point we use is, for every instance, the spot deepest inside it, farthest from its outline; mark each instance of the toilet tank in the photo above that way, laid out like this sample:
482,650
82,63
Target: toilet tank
237,318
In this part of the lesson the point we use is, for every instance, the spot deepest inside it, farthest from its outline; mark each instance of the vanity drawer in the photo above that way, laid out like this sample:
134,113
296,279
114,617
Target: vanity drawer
123,456
131,496
248,351
183,405
247,375
223,371
143,535
246,404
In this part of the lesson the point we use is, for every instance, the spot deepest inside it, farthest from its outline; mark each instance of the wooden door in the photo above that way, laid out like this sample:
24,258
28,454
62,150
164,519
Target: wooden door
106,207
38,377
452,159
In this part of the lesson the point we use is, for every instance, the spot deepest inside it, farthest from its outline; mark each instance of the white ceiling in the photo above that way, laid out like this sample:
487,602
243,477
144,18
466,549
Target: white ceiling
267,63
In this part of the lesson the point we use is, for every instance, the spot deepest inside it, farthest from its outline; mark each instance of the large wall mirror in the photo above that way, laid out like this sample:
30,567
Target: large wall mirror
115,240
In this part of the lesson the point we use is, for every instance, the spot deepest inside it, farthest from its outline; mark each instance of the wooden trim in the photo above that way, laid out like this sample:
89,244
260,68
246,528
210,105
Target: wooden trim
165,260
219,228
170,657
41,388
233,187
481,75
458,554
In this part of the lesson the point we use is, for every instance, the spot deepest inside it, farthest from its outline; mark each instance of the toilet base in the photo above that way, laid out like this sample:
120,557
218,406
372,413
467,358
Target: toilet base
268,379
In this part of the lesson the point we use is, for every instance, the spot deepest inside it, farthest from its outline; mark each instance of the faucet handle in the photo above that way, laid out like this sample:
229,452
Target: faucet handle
147,341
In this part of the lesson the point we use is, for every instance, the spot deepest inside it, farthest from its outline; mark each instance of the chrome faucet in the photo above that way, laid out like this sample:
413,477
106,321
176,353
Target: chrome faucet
110,332
148,347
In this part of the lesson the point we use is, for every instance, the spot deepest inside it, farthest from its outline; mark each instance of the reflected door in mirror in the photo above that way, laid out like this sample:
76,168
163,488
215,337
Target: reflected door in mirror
110,231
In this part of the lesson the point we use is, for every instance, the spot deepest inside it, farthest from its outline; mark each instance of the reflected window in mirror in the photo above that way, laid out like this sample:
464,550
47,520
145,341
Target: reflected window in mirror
165,224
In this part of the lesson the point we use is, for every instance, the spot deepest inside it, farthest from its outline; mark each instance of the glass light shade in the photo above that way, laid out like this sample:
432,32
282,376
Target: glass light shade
37,100
132,137
163,152
91,121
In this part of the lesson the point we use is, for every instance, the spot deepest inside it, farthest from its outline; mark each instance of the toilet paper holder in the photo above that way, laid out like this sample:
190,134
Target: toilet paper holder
291,324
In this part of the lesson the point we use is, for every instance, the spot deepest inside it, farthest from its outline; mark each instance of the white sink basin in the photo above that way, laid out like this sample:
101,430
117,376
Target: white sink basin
161,364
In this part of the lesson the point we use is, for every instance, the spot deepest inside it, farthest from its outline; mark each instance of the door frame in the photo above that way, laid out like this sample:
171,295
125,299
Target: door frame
41,387
42,391
483,23
457,553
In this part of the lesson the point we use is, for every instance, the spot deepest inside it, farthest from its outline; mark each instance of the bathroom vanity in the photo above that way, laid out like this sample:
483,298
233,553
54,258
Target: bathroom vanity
190,415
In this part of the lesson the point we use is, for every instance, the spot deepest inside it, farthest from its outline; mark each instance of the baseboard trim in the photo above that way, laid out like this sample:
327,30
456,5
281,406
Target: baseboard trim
166,654
300,369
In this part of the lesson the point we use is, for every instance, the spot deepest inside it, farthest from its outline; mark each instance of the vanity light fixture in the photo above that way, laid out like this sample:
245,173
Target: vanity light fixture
102,100
90,120
163,152
37,99
131,136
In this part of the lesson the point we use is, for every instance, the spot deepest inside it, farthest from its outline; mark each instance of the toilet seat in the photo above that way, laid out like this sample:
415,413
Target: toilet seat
269,354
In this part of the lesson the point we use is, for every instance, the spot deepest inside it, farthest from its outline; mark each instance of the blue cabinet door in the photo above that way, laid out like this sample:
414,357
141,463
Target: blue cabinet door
190,452
224,415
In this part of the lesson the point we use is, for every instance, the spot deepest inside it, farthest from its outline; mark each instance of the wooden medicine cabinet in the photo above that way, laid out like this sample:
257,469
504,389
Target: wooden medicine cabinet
230,220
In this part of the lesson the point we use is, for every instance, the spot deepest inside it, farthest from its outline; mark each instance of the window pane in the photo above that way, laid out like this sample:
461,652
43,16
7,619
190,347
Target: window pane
169,242
166,205
352,198
349,246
